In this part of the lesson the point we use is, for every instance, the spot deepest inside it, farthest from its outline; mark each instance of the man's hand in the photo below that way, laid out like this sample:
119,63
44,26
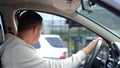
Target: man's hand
88,49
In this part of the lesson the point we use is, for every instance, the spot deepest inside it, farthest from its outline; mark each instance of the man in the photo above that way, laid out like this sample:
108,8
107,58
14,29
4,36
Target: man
19,52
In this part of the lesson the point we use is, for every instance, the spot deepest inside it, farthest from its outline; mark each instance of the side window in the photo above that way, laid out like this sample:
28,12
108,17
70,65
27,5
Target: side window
1,31
74,35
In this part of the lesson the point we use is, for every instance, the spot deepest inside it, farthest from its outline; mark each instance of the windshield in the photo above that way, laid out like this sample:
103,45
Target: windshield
101,15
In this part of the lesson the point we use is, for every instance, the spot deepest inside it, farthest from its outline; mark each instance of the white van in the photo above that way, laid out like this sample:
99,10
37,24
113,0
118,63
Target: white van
51,46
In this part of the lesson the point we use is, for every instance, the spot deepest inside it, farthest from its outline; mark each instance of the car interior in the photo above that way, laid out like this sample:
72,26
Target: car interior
107,56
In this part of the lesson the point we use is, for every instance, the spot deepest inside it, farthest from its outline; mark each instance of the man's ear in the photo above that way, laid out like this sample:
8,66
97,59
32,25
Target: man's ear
34,30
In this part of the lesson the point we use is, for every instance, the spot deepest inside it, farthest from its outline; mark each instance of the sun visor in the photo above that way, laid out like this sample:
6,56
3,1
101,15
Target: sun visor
66,5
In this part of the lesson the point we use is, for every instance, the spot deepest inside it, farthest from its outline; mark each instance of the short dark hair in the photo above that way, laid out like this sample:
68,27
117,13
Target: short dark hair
28,20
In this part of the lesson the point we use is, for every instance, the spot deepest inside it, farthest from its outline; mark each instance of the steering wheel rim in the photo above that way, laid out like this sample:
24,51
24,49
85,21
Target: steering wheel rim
91,58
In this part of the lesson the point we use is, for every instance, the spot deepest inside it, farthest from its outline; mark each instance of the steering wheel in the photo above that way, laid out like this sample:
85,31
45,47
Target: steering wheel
91,58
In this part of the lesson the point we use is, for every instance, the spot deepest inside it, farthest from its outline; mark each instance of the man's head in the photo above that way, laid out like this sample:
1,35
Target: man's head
29,26
28,20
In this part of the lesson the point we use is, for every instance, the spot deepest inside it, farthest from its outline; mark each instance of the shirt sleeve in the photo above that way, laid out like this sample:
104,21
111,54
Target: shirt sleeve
71,62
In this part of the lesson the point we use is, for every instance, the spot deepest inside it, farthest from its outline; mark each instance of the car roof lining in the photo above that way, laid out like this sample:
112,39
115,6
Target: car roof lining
64,5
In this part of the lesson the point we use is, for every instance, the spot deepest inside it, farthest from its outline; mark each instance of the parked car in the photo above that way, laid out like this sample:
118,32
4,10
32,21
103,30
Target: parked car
102,17
51,46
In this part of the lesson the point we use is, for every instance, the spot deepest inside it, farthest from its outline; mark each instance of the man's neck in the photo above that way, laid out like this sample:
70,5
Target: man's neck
27,39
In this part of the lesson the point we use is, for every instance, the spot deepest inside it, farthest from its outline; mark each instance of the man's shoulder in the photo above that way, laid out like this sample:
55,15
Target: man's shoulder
14,43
